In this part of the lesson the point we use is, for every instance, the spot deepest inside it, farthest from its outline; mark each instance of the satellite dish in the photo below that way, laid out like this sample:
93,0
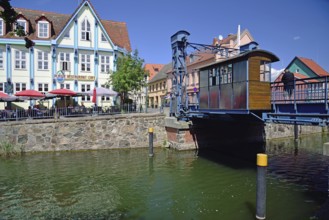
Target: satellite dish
220,37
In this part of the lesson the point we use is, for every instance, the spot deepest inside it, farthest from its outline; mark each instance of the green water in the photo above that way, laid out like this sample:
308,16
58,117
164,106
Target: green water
127,184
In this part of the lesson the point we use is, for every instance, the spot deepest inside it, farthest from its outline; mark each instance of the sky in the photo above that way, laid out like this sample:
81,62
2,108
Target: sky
287,28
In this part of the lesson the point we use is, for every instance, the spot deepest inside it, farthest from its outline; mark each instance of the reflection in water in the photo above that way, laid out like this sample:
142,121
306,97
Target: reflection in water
304,162
128,184
326,149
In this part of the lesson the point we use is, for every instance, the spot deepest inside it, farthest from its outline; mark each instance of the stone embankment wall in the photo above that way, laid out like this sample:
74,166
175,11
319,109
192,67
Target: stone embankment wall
99,132
273,131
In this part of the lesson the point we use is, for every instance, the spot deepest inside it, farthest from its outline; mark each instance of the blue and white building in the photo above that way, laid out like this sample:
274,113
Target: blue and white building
79,47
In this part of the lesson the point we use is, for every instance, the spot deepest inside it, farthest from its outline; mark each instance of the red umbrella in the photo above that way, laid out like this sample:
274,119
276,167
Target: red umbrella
3,95
63,92
30,93
94,96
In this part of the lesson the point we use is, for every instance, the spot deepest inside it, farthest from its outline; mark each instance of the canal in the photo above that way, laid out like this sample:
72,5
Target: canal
127,184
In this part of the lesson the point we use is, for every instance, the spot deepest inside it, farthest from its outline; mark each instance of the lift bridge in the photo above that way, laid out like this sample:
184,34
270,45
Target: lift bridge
237,87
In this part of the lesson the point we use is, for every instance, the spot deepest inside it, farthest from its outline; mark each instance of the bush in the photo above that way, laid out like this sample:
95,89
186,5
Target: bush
8,149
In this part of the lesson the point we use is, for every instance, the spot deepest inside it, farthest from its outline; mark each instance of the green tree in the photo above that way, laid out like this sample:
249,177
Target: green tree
129,76
8,14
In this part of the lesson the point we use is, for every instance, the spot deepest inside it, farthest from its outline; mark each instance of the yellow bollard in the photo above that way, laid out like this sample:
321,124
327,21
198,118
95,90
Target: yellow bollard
151,142
261,186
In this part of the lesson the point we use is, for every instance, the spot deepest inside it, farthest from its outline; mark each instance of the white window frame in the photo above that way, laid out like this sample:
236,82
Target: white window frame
64,59
265,71
1,27
103,38
105,63
21,21
1,59
85,88
20,59
43,32
20,87
85,30
43,87
43,63
85,62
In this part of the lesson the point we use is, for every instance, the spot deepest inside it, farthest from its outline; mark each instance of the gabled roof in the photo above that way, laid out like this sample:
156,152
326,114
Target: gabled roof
318,70
153,69
200,59
162,74
232,37
117,31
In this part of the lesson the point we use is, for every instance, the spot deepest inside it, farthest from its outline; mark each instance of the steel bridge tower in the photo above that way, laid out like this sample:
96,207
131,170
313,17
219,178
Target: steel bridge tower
179,100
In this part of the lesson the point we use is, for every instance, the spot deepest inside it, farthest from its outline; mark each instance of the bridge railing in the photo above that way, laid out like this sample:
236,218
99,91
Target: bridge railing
308,90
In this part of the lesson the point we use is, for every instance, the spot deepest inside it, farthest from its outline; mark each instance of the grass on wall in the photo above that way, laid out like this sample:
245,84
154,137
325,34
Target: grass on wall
8,149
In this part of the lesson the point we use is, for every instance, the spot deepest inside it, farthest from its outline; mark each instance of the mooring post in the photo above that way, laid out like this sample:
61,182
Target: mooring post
151,142
261,186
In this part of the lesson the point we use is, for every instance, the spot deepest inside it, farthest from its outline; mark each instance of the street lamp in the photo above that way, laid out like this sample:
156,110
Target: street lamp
146,99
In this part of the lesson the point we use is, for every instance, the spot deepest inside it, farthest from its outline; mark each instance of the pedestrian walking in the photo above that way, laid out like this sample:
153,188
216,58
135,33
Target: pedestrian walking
288,79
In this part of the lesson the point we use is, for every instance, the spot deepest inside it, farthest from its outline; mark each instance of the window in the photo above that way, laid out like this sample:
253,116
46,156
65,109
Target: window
85,62
21,24
213,76
1,27
1,59
20,87
105,98
103,38
20,60
105,64
42,60
265,71
226,74
2,87
64,59
85,88
43,31
65,86
42,87
85,30
67,34
193,78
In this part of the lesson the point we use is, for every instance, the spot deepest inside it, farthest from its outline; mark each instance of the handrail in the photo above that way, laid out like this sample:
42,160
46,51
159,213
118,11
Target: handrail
308,90
77,111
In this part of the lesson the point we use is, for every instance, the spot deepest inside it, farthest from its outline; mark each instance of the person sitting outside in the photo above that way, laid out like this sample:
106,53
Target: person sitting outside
288,79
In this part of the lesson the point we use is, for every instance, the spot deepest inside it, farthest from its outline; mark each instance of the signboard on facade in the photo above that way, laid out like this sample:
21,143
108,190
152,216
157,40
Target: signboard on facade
80,77
60,76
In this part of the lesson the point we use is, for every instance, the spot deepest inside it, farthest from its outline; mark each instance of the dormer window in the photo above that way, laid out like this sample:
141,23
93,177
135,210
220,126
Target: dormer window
1,27
43,29
21,24
85,30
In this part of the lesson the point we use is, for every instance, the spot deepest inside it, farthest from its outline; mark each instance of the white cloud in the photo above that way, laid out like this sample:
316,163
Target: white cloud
296,37
275,74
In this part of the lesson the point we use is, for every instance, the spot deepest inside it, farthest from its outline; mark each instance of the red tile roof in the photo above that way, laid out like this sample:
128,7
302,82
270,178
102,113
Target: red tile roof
117,31
314,66
153,69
